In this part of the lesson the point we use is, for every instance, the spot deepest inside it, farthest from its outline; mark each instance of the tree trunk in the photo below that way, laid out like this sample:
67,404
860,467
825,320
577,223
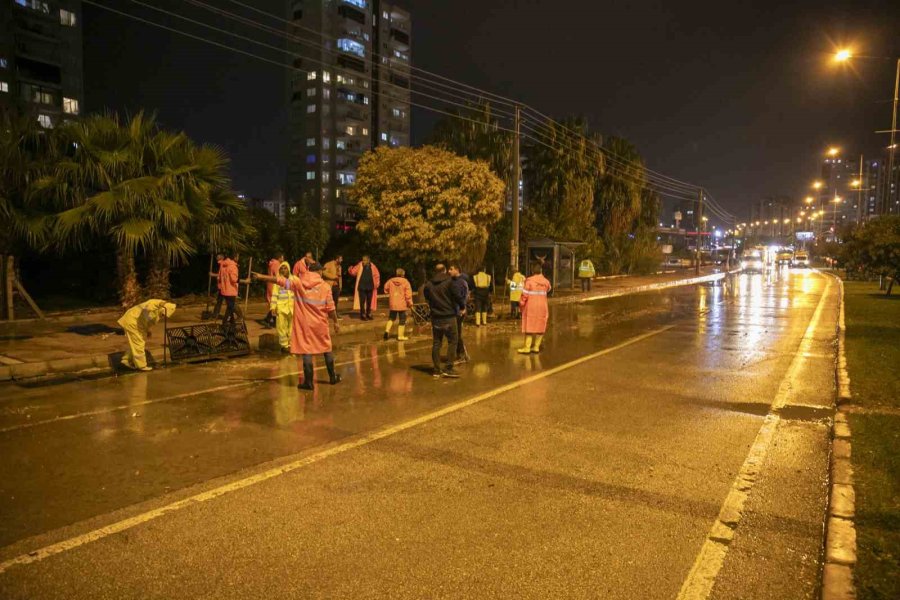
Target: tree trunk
126,271
158,277
890,286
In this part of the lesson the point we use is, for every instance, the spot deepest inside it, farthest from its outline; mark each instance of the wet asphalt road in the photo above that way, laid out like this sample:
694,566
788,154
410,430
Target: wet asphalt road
599,479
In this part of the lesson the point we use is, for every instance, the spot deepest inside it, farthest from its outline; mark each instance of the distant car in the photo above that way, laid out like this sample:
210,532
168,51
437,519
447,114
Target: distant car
752,261
783,258
800,260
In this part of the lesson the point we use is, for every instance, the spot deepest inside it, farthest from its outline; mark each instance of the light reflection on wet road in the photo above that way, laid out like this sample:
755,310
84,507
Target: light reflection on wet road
82,449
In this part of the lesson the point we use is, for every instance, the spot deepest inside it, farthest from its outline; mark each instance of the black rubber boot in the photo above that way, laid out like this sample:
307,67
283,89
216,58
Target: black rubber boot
307,377
333,377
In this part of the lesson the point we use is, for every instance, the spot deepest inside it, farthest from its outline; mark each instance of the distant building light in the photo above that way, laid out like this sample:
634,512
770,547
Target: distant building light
351,46
66,18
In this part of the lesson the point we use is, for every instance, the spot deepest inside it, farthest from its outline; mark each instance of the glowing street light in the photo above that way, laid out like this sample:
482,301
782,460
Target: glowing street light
809,200
843,55
817,185
856,183
834,151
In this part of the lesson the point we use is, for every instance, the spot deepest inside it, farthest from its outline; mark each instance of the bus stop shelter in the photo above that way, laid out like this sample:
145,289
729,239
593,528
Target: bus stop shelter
557,258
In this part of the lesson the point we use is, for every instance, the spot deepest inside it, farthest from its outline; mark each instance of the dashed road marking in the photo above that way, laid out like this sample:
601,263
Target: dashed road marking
709,561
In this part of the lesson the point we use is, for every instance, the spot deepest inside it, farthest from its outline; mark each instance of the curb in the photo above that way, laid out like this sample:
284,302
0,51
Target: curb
99,363
658,286
840,530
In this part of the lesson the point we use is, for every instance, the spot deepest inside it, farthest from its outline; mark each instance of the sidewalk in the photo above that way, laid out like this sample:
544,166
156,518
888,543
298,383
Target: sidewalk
92,341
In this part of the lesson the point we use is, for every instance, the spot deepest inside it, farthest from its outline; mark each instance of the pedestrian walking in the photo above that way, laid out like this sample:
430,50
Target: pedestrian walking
333,274
515,284
313,307
445,302
535,310
586,273
461,283
281,307
484,287
302,265
365,295
227,279
137,322
274,264
400,299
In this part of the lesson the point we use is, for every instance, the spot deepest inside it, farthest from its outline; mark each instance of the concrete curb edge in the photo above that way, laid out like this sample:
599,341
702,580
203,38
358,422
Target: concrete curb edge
840,530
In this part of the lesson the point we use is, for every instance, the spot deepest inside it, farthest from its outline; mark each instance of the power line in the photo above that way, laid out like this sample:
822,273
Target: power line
653,185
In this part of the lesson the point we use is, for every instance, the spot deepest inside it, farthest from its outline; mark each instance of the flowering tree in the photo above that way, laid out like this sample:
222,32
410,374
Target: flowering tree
427,203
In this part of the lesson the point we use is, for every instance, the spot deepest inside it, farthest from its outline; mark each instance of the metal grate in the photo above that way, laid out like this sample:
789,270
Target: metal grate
192,342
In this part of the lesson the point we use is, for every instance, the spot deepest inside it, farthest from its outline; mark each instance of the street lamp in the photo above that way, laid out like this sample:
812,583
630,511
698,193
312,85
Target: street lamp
844,55
833,151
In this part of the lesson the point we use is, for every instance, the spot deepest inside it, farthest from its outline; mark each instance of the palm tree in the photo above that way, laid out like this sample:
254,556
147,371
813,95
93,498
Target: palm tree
151,192
26,153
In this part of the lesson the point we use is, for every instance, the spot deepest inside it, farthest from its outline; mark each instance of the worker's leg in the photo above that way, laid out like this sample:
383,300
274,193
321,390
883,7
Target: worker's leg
136,344
333,377
283,325
538,339
307,383
401,329
527,347
387,326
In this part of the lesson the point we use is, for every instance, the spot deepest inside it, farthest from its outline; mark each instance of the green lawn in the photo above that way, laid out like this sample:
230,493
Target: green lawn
873,362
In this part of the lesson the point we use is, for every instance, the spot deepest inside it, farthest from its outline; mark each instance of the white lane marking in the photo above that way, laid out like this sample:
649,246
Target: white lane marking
230,386
102,532
702,576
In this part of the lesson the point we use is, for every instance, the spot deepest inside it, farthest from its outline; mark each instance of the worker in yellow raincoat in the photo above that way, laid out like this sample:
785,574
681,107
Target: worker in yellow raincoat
516,285
137,322
282,307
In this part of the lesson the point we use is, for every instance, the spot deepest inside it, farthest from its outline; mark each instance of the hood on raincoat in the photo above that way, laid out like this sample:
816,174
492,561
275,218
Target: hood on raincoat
170,308
284,263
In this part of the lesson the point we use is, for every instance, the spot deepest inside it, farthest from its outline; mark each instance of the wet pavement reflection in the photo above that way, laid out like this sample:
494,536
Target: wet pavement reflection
85,448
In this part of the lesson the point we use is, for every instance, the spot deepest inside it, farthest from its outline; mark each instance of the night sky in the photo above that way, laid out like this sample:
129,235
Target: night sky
737,96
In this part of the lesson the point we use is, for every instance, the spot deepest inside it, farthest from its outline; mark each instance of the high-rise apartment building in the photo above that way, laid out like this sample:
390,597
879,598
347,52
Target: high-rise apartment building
41,69
349,92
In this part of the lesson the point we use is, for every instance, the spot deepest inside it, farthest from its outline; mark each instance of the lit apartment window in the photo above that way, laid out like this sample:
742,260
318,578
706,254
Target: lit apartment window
397,112
35,5
346,178
365,131
326,76
385,15
326,93
384,136
311,92
326,143
310,159
45,121
4,64
310,141
311,108
70,105
350,130
365,99
66,18
357,3
311,75
310,175
326,177
341,145
4,87
351,46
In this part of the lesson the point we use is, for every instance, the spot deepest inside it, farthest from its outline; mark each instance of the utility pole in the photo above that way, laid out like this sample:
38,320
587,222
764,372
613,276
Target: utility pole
699,224
516,178
860,212
886,210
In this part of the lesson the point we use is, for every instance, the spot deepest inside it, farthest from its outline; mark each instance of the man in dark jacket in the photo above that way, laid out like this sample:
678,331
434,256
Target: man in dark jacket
446,303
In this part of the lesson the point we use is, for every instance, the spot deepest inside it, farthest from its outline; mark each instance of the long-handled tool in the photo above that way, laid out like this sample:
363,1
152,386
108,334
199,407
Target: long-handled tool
208,286
247,291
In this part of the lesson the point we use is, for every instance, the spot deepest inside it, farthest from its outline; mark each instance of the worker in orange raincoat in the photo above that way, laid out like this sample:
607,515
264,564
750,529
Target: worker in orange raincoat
227,279
313,307
400,299
535,310
365,295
